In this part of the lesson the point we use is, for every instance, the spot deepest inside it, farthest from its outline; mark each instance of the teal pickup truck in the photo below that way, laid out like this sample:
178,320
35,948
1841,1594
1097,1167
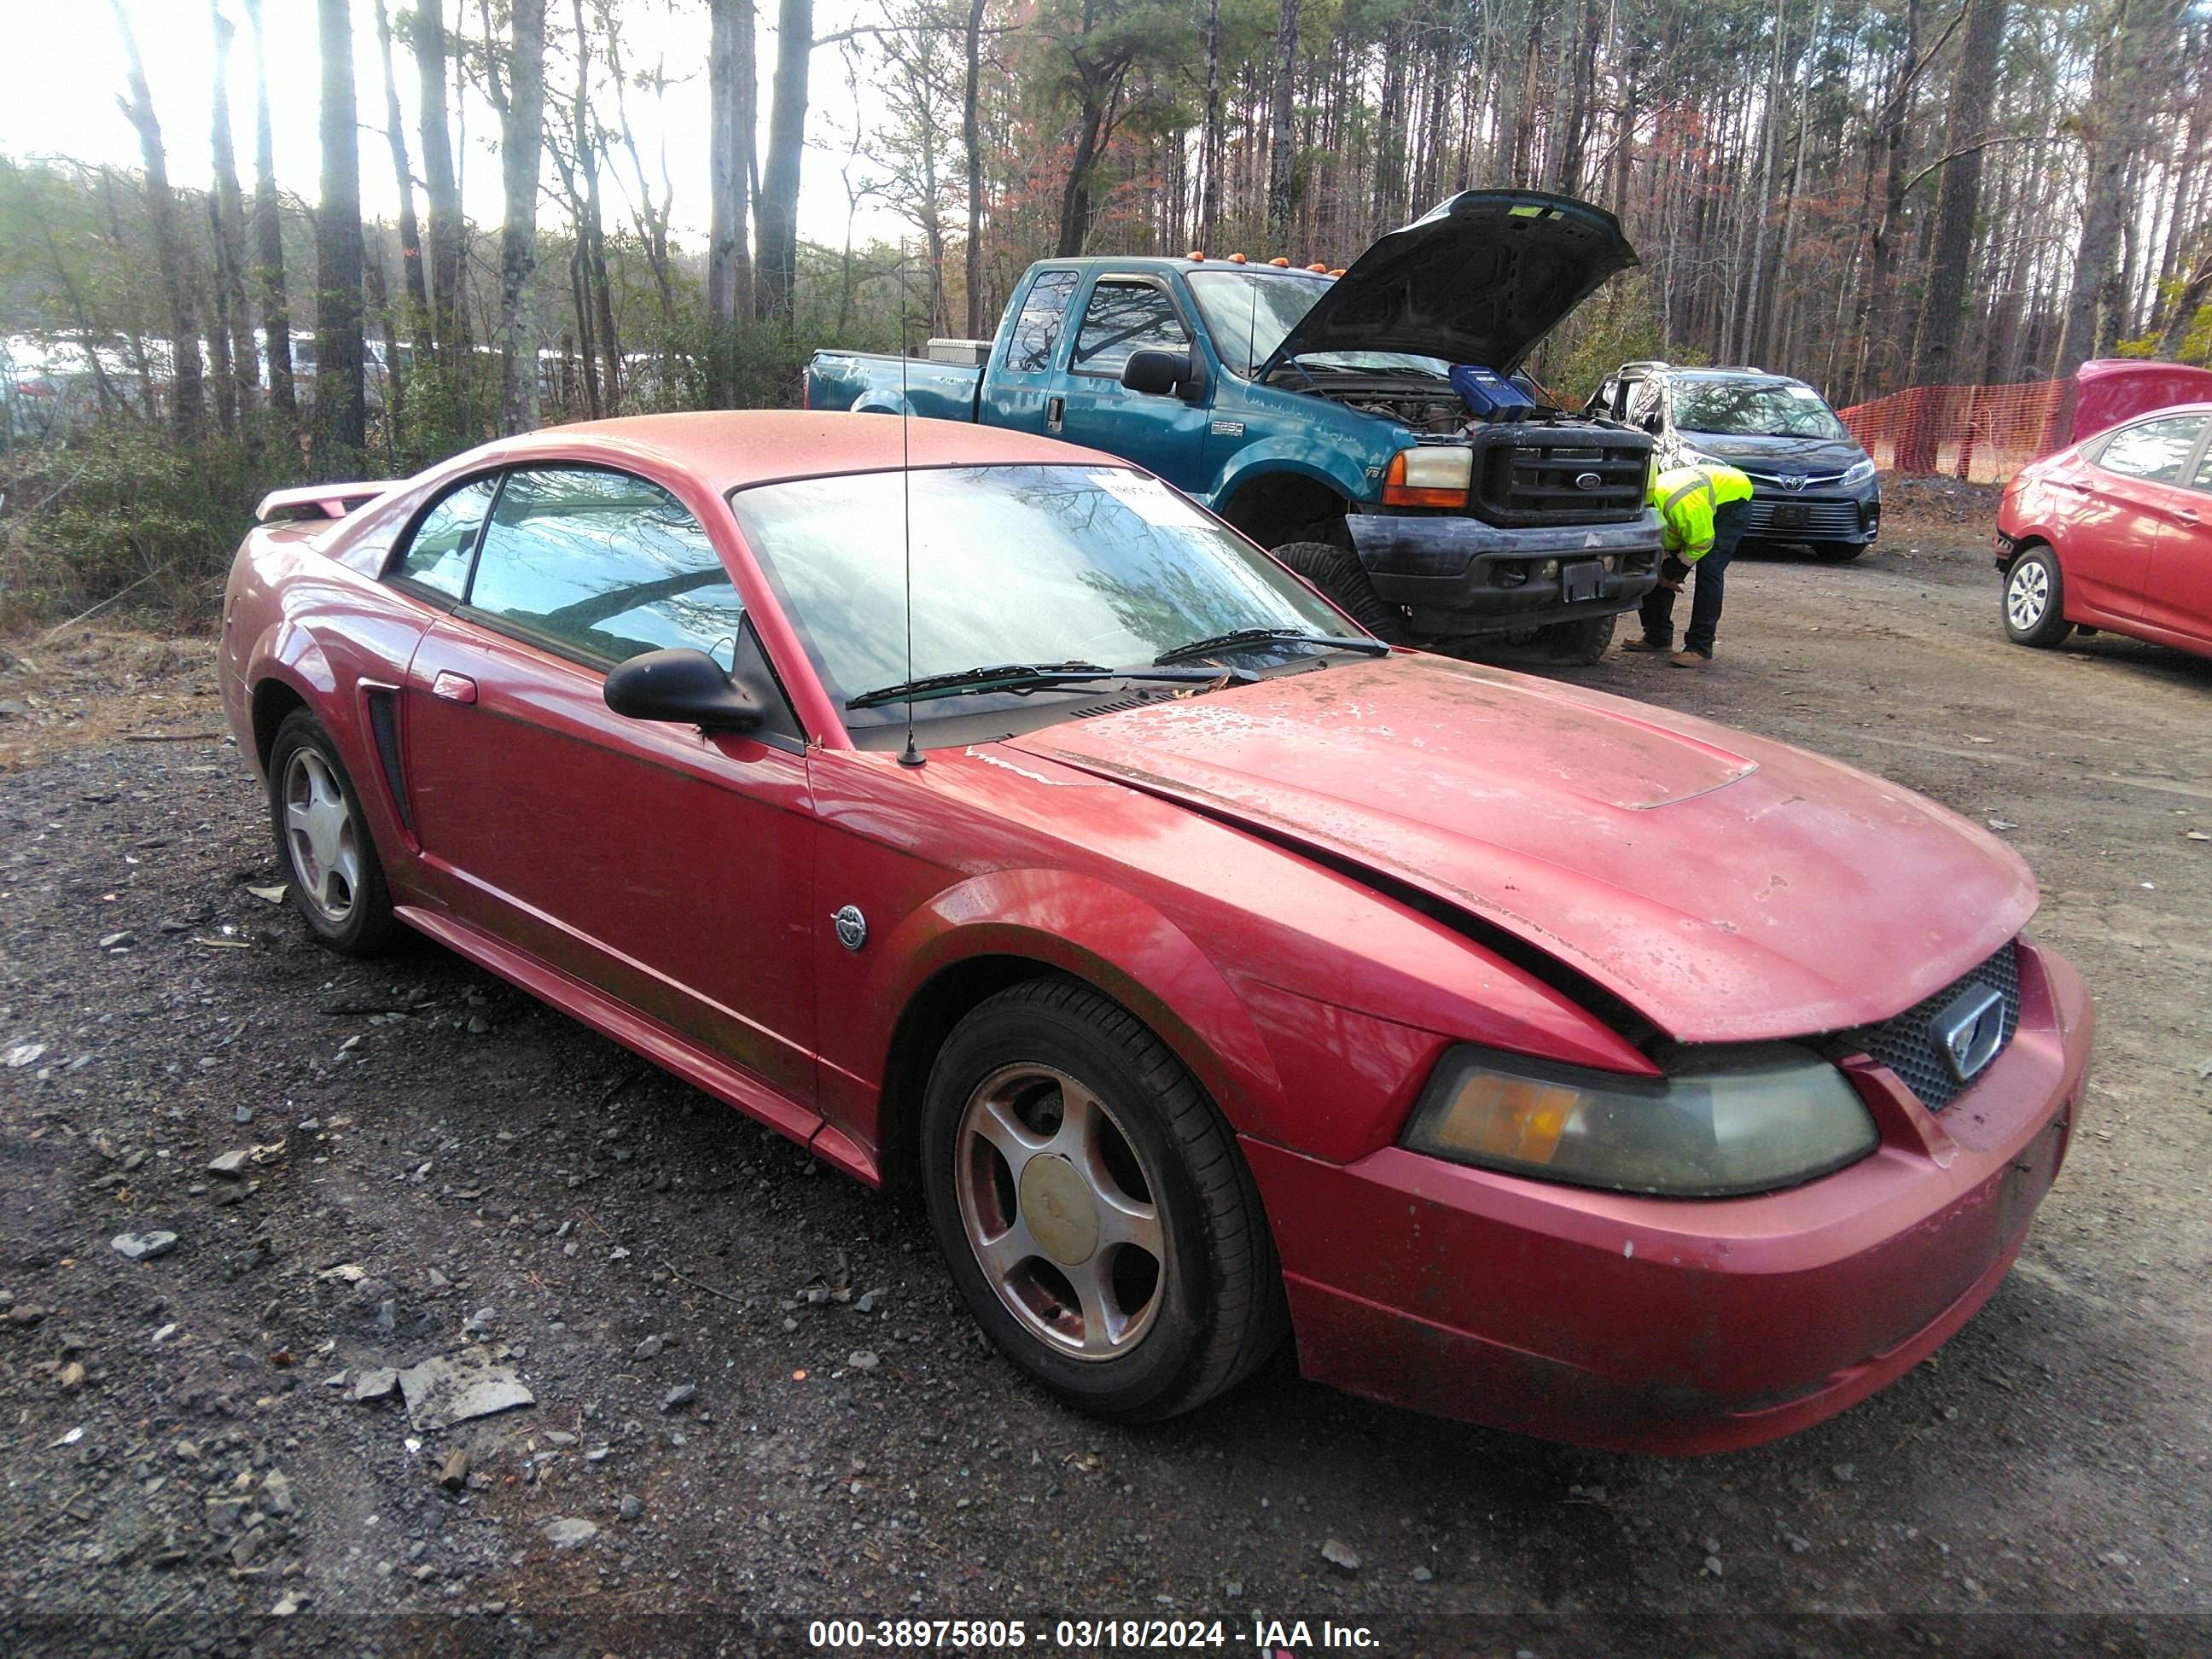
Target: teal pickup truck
1372,427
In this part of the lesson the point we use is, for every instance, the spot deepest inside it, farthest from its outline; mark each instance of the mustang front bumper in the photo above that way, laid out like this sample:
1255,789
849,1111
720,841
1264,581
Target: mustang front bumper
1656,1325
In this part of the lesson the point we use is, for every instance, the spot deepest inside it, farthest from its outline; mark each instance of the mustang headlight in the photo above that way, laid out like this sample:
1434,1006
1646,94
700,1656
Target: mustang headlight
1723,1122
1857,473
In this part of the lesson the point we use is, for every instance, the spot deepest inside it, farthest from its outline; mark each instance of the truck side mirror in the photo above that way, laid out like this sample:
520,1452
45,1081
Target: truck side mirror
1161,374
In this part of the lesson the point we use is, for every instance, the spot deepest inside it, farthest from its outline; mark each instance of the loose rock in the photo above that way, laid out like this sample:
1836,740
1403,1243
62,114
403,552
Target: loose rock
142,1247
566,1533
1339,1555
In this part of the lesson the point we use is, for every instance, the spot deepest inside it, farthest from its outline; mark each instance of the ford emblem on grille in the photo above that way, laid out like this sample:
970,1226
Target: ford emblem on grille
1970,1029
1587,480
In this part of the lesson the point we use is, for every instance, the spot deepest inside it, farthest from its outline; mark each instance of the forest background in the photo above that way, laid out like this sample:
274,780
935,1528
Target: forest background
588,207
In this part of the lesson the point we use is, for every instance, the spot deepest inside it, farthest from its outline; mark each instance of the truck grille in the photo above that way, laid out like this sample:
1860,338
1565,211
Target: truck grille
1787,518
1908,1045
1528,472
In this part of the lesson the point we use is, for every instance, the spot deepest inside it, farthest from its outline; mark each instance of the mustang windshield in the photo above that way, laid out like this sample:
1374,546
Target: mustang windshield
1249,312
1755,411
1011,564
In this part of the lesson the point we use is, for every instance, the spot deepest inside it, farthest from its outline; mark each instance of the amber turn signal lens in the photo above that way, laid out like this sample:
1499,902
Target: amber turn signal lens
1508,1117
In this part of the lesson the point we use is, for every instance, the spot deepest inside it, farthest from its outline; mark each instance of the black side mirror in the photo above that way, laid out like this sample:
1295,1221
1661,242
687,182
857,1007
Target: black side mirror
1654,423
1161,374
684,685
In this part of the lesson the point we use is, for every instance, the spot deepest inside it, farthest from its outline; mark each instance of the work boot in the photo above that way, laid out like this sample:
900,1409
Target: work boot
1691,660
1647,643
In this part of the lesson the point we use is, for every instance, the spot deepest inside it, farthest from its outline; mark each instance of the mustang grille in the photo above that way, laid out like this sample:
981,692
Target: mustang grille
1908,1043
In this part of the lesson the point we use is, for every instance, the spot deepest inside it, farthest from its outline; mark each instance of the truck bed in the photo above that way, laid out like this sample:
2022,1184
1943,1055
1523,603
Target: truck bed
877,382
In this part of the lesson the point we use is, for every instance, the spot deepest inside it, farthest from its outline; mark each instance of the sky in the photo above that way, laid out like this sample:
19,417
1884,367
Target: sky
61,67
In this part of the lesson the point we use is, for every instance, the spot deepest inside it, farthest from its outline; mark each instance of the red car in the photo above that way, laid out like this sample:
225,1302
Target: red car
2114,532
1530,1056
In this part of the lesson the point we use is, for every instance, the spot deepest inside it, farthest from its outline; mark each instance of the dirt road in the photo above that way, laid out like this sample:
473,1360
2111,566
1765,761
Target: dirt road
435,1150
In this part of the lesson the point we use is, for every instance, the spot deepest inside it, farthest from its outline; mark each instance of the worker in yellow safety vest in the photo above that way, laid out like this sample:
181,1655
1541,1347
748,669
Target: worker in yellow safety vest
1702,509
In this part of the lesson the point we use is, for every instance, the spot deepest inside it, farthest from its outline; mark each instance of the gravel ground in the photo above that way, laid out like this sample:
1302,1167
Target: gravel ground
756,1402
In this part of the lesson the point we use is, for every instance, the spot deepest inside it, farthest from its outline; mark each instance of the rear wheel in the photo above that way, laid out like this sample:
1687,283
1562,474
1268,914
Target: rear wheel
1341,576
1584,641
337,879
1092,1205
2034,598
1837,552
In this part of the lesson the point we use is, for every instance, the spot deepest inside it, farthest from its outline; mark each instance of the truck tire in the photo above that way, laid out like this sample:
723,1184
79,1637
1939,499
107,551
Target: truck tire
1585,642
1344,579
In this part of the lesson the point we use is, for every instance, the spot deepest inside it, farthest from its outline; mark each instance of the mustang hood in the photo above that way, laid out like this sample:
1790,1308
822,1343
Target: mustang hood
1726,888
1479,279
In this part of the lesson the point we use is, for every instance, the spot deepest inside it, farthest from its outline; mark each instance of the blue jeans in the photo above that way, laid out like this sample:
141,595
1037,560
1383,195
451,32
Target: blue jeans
1657,613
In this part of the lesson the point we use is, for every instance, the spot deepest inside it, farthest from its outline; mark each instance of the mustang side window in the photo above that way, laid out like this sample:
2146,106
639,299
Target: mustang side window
438,557
603,565
1122,318
1036,331
2156,450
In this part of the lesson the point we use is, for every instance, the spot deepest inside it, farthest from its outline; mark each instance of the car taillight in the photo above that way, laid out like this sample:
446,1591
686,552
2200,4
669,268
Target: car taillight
1435,474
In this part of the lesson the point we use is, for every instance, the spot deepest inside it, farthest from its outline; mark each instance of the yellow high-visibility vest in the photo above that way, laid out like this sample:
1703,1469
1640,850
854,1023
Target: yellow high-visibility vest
1685,497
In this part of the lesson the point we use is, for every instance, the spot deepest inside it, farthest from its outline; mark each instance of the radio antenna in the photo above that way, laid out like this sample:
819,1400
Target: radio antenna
910,756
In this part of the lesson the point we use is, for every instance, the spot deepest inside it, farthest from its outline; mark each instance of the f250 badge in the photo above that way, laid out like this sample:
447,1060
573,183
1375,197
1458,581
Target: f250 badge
1228,429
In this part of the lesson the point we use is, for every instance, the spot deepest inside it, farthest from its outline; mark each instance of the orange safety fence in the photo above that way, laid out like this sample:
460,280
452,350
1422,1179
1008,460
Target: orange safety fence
1981,432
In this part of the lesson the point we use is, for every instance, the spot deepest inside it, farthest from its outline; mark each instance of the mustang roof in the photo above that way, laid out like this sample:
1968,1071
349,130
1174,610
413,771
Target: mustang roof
729,448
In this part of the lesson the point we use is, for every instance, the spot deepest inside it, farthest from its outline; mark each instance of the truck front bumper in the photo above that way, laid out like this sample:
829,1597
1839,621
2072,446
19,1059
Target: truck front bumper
1459,576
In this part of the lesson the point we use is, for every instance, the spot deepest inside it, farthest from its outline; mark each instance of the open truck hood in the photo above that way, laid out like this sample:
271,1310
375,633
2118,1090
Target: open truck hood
1479,279
1726,888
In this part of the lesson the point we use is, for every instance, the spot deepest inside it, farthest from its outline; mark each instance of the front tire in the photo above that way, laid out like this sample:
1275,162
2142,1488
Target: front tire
335,878
1341,576
2035,599
1585,642
1092,1208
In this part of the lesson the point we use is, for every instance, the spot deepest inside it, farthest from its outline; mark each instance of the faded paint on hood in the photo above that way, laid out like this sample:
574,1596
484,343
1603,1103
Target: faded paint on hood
1728,888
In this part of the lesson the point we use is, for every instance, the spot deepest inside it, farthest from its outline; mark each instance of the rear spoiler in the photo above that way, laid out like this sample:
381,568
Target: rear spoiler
328,500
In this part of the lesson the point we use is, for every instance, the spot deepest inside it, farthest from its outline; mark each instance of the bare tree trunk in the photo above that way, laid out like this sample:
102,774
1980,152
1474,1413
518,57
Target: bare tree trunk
1958,199
2108,132
269,233
592,240
522,143
187,400
732,95
411,235
1281,156
787,143
341,407
1209,140
2187,305
972,140
448,311
228,214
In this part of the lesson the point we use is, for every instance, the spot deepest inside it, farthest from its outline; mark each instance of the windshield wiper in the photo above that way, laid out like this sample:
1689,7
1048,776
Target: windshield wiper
1027,677
1228,641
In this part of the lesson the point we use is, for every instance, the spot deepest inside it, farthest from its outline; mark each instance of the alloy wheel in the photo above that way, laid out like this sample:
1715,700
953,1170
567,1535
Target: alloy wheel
1059,1212
320,836
2027,595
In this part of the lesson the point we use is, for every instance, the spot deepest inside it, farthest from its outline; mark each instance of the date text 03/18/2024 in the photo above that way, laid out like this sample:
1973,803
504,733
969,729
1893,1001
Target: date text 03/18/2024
1273,1636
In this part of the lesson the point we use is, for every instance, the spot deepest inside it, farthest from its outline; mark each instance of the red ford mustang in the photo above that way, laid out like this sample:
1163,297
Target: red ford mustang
2114,532
1533,1056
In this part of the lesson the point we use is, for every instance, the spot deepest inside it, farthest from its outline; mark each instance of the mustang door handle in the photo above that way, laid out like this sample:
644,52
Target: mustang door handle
453,688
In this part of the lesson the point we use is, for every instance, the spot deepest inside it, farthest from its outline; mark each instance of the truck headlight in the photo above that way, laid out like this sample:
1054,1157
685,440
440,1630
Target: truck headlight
1857,473
1722,1123
1434,475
